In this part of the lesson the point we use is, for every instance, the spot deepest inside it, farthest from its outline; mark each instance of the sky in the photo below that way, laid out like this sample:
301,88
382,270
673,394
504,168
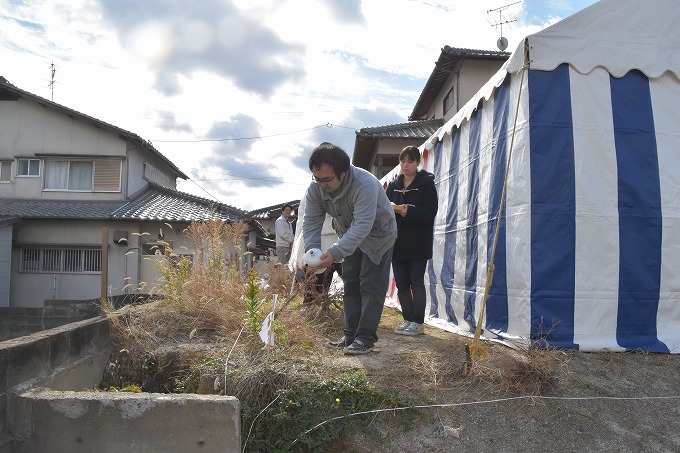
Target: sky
237,93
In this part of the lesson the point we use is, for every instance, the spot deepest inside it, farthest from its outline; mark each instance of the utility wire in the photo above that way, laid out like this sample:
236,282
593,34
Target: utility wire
328,125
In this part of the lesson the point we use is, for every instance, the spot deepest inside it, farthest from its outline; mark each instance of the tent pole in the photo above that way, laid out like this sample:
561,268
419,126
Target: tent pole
476,351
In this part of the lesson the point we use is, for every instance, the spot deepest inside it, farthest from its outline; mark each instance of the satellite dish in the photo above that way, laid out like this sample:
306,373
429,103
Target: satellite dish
502,43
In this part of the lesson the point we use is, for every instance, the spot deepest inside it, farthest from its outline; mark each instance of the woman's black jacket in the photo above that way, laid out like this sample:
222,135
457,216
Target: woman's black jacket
415,231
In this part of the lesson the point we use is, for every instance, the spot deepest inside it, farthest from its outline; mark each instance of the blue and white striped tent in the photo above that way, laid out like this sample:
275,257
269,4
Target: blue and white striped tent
588,248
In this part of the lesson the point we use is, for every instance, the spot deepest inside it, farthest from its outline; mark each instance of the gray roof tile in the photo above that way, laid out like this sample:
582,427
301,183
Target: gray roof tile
367,138
161,204
154,204
272,212
40,209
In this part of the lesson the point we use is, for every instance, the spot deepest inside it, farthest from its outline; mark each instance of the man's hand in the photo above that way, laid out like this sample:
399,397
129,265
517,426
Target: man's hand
326,260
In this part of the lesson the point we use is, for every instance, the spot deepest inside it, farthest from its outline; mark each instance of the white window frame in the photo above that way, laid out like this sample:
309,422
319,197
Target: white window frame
28,168
98,180
6,168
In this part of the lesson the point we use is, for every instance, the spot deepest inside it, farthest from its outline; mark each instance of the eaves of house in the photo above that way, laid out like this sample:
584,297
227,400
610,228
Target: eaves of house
10,92
449,59
272,212
154,204
367,138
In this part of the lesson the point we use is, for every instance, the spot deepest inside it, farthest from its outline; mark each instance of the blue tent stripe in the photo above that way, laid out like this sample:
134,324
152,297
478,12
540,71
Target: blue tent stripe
471,231
497,301
553,207
432,276
450,234
640,216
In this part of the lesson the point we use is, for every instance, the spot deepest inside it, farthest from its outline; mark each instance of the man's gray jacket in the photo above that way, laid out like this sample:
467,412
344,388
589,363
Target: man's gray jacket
362,216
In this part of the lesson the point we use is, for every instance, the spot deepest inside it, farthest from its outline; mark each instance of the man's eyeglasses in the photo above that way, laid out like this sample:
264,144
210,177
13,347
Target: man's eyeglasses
323,180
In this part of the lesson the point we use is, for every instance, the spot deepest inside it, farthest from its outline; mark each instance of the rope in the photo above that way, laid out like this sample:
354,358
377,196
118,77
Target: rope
492,401
475,349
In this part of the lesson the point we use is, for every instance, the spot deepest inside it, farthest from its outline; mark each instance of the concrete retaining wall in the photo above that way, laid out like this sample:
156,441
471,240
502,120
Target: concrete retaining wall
19,321
129,422
47,403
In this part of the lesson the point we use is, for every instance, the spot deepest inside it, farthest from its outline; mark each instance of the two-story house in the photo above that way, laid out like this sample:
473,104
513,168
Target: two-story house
86,207
458,74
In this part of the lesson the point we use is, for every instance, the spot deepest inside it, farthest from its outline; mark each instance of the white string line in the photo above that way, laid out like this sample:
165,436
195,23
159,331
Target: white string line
499,400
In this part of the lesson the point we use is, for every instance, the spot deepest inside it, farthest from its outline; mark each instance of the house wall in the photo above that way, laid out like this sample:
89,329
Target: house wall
27,129
5,264
31,289
129,272
471,76
137,159
387,146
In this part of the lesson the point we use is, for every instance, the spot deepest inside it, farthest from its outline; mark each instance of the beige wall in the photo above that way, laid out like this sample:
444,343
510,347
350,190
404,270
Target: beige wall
472,76
126,263
27,129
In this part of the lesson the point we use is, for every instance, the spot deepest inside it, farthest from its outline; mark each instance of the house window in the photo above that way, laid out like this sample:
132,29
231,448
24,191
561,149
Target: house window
385,163
155,248
82,175
6,171
60,261
448,101
28,167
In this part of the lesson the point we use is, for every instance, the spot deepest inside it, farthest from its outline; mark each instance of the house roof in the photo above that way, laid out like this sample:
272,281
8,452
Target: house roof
162,204
155,203
449,59
368,137
272,212
52,209
11,92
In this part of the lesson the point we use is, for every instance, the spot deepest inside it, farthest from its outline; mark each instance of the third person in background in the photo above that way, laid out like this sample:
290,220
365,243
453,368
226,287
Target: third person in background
415,203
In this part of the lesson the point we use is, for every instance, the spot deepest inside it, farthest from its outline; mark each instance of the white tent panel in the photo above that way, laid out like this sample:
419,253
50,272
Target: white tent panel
618,35
597,277
665,92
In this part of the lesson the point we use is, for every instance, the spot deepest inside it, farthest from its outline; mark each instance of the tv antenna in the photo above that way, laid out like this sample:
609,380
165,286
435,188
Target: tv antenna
502,42
53,70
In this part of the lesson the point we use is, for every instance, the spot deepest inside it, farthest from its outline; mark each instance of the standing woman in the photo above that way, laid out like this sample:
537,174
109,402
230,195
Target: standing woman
414,200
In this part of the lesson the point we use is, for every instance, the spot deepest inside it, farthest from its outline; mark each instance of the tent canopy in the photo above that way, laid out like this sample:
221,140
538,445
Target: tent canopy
587,250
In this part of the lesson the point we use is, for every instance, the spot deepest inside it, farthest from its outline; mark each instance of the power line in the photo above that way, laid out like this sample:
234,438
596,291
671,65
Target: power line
287,112
229,139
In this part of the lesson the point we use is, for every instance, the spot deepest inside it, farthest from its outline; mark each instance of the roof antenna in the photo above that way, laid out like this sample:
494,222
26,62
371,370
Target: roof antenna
502,42
53,69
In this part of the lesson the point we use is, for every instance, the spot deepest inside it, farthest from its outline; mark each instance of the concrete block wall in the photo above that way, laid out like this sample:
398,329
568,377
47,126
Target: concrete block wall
19,321
47,402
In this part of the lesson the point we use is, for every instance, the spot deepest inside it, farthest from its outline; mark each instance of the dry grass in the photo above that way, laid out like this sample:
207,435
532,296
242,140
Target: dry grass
202,316
196,340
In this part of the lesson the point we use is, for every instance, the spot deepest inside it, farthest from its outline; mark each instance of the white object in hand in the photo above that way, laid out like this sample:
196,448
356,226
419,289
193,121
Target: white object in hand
313,257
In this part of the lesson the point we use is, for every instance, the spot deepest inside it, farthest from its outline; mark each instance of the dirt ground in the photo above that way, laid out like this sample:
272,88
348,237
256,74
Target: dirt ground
515,401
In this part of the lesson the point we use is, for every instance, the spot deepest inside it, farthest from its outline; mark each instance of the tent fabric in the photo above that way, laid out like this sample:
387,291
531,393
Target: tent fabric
617,35
587,251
